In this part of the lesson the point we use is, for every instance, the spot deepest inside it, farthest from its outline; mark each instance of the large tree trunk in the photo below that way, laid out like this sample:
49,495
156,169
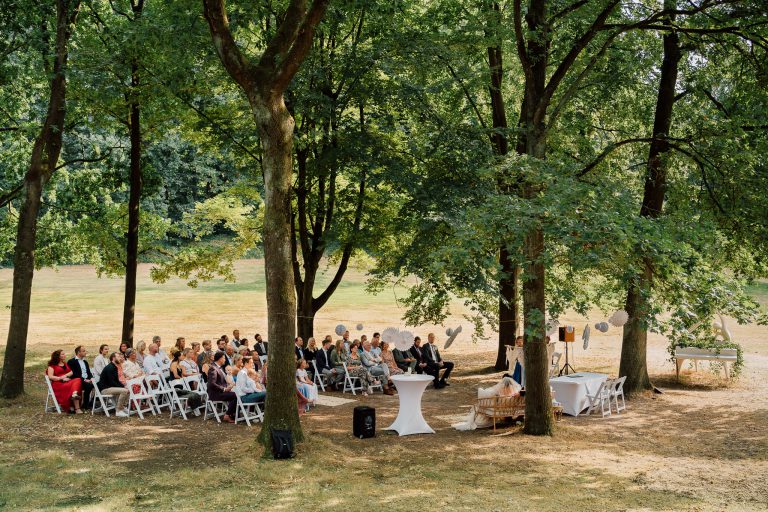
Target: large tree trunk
305,309
45,155
134,201
538,399
276,132
635,336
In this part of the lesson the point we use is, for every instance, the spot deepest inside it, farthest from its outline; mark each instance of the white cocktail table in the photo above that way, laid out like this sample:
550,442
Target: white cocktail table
571,390
409,418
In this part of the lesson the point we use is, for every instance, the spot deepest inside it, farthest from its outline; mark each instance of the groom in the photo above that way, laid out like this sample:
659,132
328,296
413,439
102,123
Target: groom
435,363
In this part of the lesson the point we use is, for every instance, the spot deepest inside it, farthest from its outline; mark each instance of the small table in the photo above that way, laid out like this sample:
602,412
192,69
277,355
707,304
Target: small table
571,390
409,420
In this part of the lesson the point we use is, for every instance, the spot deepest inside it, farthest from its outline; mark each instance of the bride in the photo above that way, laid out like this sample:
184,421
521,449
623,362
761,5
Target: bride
507,387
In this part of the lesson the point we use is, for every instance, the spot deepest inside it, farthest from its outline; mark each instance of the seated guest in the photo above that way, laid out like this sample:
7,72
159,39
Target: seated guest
218,388
244,351
131,368
303,382
355,343
436,363
476,419
221,344
248,386
261,347
377,368
376,345
228,370
346,342
311,351
325,366
141,352
404,360
229,355
188,363
205,365
237,365
417,351
236,342
81,370
66,389
338,357
123,348
110,384
175,373
389,359
298,348
152,362
356,369
161,355
181,344
224,340
101,360
206,350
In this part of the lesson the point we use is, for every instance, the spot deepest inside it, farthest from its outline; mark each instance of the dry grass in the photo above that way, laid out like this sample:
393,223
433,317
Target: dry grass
699,446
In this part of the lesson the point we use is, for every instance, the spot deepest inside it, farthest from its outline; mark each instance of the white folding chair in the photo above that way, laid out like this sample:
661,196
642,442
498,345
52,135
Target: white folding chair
349,382
135,398
102,403
161,392
51,397
180,403
196,384
248,412
617,390
600,399
215,409
554,368
320,379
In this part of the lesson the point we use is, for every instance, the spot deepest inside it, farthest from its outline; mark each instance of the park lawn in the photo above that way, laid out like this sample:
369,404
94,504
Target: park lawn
96,463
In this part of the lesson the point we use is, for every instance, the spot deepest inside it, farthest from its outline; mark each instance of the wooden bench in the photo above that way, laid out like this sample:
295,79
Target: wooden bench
500,407
724,355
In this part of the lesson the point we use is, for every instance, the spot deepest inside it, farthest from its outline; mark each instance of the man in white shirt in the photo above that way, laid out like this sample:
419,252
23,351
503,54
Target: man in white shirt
375,346
152,363
100,361
235,341
165,361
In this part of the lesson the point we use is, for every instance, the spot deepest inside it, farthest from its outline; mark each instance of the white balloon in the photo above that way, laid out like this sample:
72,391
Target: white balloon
602,326
448,331
359,327
340,329
619,318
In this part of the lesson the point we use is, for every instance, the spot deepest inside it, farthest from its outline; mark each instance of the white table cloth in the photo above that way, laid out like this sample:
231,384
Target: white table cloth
409,419
571,390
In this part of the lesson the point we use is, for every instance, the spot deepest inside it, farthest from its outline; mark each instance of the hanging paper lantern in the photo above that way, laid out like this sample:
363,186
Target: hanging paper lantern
619,318
403,340
390,335
585,337
602,326
359,327
448,332
449,341
340,329
552,326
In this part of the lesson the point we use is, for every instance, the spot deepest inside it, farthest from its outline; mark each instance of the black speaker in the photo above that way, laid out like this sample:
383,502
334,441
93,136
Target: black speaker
282,444
364,422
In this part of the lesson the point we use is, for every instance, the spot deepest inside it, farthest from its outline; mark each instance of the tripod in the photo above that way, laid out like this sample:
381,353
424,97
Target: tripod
567,368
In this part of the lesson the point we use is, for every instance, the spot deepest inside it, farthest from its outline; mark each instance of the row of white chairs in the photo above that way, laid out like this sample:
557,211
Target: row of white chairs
351,383
152,393
607,396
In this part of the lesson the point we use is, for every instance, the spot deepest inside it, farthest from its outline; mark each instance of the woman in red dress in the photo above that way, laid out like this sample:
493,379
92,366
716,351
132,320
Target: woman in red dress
66,389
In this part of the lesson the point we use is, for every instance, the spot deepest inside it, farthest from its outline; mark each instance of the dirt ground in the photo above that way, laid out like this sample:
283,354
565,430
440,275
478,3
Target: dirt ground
702,445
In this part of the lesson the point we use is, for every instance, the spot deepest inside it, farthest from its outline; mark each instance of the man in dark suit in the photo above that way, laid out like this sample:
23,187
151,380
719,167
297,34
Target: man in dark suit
218,389
418,354
109,384
261,347
299,348
323,363
435,363
81,370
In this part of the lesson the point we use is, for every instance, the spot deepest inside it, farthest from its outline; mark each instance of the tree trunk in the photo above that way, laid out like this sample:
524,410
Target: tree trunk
132,237
45,155
276,132
538,399
635,335
305,309
509,284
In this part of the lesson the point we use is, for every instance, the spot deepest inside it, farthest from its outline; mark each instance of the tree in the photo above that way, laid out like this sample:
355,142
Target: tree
264,84
43,162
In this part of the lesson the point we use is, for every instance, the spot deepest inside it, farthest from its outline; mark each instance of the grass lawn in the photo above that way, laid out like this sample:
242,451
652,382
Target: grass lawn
701,446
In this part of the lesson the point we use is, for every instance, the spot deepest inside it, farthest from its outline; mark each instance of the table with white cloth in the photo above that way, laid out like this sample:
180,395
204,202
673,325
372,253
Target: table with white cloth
571,390
409,420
